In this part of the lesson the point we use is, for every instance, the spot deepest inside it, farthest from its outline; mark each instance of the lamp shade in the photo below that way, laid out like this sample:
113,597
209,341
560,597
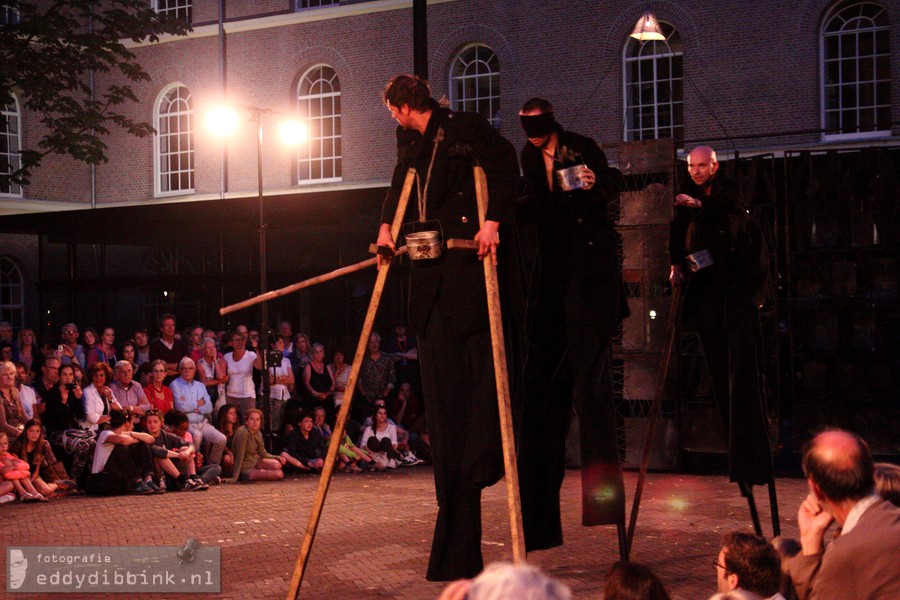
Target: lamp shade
647,29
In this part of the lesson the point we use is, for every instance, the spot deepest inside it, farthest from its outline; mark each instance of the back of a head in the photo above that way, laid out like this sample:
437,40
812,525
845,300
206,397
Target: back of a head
754,561
633,581
887,482
502,581
736,595
839,462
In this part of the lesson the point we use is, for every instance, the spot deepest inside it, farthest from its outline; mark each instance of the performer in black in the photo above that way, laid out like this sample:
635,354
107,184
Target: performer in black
712,255
575,306
448,306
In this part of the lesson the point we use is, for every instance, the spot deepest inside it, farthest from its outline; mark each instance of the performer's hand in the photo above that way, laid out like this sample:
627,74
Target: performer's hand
688,201
487,239
676,276
385,239
813,521
587,177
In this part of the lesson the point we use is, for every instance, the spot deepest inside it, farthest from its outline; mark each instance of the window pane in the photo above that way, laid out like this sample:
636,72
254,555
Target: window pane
654,90
319,103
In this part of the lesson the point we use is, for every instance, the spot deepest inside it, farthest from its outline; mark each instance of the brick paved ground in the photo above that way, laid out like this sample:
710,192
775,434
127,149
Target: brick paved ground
375,533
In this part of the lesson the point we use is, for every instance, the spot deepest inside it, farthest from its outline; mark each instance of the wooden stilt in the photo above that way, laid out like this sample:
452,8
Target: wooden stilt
341,422
501,375
654,415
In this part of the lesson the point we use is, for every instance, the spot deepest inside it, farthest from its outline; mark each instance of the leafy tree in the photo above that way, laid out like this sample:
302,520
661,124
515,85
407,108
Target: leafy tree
49,50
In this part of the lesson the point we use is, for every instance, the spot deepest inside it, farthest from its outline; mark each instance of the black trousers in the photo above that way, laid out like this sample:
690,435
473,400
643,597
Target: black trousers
729,331
568,363
125,465
463,424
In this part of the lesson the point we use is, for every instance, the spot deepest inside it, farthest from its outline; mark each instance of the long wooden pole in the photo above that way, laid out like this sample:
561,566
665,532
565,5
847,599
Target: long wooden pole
294,287
501,375
341,422
654,415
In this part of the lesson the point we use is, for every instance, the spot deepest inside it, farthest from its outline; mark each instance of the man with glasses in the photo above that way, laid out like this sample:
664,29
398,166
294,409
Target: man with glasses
748,562
192,399
48,380
129,394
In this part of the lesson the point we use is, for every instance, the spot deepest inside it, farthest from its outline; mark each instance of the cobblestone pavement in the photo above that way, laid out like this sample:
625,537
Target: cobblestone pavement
375,533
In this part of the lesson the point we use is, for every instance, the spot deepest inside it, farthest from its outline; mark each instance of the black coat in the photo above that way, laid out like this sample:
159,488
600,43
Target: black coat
577,241
468,140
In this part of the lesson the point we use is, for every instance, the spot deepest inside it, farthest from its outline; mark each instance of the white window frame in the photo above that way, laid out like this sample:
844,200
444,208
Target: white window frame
314,4
834,13
177,8
12,284
165,136
460,71
676,128
13,142
324,129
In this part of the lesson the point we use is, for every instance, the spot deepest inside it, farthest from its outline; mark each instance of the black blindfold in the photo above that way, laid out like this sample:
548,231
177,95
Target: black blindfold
536,126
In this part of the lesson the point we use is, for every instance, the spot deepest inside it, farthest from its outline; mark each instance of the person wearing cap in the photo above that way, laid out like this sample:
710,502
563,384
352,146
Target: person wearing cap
577,303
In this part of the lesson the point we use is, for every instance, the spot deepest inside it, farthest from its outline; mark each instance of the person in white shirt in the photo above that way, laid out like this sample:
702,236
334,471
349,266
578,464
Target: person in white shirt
239,390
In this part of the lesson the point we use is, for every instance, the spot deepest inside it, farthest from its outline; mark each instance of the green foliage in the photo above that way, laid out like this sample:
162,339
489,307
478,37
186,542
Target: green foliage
48,56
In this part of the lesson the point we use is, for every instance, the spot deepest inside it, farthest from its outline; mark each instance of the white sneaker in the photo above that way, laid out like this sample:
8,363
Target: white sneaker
7,498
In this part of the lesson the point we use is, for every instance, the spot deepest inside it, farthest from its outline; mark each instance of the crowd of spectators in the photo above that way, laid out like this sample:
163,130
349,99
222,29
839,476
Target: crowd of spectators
183,410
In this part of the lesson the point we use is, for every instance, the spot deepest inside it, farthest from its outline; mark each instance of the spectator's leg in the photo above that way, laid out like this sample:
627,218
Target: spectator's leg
217,442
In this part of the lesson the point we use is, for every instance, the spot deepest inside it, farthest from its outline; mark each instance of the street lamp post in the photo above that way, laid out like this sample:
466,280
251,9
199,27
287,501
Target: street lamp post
223,121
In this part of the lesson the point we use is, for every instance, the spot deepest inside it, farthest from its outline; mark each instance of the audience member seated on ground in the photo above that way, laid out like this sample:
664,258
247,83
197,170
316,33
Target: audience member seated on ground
281,382
16,471
47,474
128,393
887,482
229,421
407,458
318,383
122,459
212,372
98,399
104,351
26,347
501,581
748,562
157,392
633,581
381,438
88,341
251,460
305,447
12,416
406,410
28,399
862,562
241,362
350,456
177,423
7,490
192,399
173,457
63,402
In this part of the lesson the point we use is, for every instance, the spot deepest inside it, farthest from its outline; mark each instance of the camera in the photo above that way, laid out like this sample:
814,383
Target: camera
71,386
274,357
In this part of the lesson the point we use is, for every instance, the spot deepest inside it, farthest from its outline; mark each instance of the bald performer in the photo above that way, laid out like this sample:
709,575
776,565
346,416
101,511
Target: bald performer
862,562
718,304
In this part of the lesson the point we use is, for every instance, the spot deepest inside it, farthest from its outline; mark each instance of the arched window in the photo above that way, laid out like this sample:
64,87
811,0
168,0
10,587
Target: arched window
319,104
174,141
10,144
856,70
475,82
654,101
12,293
